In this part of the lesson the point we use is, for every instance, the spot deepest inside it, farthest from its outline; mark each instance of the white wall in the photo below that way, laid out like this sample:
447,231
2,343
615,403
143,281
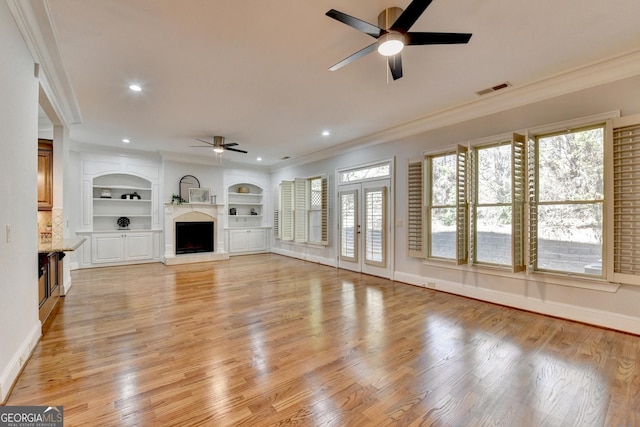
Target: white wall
19,323
210,176
608,307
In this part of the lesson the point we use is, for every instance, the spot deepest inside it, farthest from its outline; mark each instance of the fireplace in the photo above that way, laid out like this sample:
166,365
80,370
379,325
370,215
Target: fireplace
177,217
194,237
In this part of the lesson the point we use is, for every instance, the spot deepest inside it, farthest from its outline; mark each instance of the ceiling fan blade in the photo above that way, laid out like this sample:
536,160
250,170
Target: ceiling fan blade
410,15
236,149
358,54
206,142
356,23
437,38
395,65
200,146
230,144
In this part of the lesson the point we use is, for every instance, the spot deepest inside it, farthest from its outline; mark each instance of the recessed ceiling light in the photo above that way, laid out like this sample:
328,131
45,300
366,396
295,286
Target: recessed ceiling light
259,159
126,140
135,88
326,133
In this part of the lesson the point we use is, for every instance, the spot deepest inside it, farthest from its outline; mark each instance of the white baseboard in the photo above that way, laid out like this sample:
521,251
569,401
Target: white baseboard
66,285
590,316
13,369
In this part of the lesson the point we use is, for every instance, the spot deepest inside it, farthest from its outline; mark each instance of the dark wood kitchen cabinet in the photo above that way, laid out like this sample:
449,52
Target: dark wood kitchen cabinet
49,282
45,174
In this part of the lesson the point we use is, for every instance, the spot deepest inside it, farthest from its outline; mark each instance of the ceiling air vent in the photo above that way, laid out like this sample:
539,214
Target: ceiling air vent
494,88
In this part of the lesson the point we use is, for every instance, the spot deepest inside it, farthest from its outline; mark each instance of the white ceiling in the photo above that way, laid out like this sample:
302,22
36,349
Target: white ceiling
257,73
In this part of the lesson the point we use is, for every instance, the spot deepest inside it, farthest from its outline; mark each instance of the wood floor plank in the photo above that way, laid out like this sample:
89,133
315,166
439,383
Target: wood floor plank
266,340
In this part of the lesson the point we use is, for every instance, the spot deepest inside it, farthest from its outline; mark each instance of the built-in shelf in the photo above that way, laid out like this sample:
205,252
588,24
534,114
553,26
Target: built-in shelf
244,203
246,232
122,203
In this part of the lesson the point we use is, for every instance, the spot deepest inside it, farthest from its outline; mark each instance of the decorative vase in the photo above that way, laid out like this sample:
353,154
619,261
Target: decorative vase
123,223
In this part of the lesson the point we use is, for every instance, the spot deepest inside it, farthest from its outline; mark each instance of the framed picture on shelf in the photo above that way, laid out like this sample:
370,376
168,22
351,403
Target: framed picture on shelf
199,195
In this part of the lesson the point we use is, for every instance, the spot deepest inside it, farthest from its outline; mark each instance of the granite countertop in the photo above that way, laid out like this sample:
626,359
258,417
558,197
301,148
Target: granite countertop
66,245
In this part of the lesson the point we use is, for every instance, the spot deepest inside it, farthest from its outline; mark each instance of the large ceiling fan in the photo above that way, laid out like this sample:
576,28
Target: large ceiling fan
218,145
392,34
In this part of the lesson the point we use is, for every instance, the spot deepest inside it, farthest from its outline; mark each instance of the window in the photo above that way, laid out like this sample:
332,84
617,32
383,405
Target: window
566,172
369,172
492,207
446,206
497,213
561,178
303,211
317,219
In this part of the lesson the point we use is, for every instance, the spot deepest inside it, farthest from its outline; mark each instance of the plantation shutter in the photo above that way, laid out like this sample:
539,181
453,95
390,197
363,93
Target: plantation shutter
325,211
415,210
276,215
286,210
473,196
300,206
517,201
461,205
532,191
626,200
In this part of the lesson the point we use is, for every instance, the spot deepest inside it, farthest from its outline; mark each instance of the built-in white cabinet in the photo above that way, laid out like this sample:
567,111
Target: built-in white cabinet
245,216
120,210
247,240
121,247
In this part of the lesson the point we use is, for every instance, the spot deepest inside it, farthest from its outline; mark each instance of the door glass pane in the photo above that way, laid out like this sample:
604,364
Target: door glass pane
348,224
374,220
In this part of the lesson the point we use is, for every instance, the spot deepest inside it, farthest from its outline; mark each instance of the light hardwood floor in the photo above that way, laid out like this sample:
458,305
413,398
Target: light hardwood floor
265,340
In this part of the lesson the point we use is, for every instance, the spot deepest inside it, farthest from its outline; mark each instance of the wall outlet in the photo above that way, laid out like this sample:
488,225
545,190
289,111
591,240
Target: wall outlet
431,285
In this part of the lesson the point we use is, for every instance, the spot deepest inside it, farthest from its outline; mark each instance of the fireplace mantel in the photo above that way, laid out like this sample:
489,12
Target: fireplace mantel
186,211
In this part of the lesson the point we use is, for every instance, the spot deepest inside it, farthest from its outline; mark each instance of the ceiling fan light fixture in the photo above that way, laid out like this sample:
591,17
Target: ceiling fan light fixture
390,44
218,150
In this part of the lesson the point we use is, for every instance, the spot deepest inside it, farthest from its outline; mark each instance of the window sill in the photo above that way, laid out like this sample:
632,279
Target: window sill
547,278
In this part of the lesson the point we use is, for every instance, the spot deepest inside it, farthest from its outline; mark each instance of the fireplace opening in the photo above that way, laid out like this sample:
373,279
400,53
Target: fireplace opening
194,237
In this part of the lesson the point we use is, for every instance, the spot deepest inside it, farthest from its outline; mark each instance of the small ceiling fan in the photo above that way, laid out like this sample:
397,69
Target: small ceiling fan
219,146
392,34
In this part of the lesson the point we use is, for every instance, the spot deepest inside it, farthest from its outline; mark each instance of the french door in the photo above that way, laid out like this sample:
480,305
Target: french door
364,229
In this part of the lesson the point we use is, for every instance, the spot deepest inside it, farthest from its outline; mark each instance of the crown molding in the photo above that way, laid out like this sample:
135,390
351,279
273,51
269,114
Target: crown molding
579,78
35,23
